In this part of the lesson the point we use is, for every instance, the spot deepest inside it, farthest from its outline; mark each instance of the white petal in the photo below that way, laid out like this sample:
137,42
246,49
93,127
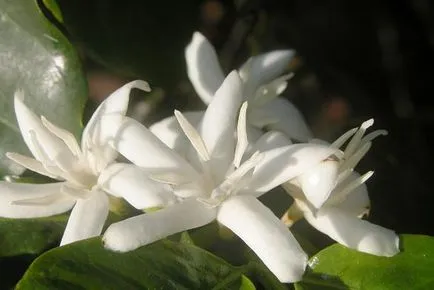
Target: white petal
281,115
219,122
132,183
35,133
253,133
266,235
264,68
87,218
98,132
284,163
355,202
144,229
144,149
354,233
168,131
10,192
30,163
318,182
203,67
270,140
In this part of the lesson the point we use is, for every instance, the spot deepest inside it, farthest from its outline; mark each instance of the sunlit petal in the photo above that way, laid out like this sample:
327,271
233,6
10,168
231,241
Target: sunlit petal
132,183
98,131
281,115
168,131
219,121
284,163
144,229
10,192
203,67
264,68
87,218
355,233
42,143
266,235
318,183
144,149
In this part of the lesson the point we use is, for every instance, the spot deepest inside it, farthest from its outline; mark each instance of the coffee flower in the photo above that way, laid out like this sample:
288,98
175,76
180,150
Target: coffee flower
262,84
332,197
58,155
217,181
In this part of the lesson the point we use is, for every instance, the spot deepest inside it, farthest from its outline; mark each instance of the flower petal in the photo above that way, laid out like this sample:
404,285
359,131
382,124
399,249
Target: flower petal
97,132
10,192
43,144
266,235
219,122
318,183
284,163
203,67
168,131
144,229
264,68
354,233
132,183
281,115
144,149
87,218
356,202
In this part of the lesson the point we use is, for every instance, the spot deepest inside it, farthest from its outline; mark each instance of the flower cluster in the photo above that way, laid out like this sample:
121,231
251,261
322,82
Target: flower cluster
198,167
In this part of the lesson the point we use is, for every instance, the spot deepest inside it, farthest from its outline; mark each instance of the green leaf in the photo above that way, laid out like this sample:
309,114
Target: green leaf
338,267
38,59
30,236
22,240
142,39
161,265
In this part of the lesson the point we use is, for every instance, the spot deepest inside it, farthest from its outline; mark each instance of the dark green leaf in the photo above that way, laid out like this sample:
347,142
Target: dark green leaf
142,39
162,265
338,267
22,240
30,236
37,58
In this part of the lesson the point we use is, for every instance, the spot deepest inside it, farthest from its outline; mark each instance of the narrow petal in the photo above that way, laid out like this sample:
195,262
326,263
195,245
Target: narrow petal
356,200
97,132
43,144
87,218
281,115
354,233
168,131
132,183
30,163
144,229
266,235
203,67
144,149
264,68
10,192
318,182
284,163
219,122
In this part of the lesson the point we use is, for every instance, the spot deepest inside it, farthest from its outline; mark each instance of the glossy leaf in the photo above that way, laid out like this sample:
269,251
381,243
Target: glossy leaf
161,265
338,267
37,58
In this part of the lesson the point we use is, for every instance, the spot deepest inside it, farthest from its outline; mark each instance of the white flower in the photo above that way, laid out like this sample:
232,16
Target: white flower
333,197
218,181
58,155
262,84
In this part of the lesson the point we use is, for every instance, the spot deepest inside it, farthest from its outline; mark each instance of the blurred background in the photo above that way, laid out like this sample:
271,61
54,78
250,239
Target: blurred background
355,61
